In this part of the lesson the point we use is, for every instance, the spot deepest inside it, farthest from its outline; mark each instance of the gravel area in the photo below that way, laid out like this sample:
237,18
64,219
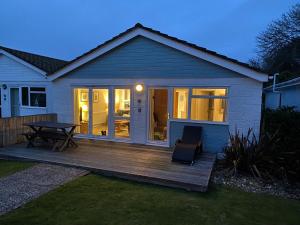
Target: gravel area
24,186
250,184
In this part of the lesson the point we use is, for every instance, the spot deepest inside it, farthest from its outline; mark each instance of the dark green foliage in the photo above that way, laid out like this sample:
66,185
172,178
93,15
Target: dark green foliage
285,123
278,46
276,154
246,154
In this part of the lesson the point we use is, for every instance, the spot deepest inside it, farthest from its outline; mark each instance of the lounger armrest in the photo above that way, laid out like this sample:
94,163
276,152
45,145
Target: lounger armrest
200,146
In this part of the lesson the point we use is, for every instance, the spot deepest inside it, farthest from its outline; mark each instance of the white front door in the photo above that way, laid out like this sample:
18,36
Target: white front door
158,116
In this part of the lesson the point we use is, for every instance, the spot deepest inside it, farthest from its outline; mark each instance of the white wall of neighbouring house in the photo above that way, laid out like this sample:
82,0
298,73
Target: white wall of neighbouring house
291,97
14,74
272,100
288,96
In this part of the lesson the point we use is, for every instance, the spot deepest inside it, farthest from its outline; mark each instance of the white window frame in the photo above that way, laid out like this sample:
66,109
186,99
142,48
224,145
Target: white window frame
189,108
34,92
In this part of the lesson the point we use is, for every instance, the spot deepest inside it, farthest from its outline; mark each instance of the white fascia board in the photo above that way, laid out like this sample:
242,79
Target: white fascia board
23,63
262,77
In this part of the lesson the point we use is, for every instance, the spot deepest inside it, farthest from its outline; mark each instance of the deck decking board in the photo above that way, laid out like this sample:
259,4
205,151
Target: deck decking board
133,162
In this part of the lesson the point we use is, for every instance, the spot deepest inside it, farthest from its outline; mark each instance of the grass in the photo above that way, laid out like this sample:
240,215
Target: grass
8,167
98,200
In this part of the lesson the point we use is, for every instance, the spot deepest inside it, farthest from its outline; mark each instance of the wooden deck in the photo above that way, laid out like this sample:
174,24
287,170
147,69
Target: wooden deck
132,162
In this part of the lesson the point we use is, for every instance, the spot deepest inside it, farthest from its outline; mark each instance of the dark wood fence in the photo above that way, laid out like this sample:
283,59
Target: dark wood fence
11,128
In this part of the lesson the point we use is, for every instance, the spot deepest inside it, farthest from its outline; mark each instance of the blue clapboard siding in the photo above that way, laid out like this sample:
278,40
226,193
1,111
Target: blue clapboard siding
215,137
143,58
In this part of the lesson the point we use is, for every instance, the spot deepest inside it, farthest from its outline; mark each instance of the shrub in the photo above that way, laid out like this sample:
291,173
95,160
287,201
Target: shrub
285,123
246,154
275,154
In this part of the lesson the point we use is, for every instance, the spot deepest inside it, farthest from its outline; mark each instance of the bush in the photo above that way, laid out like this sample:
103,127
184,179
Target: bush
285,123
246,154
275,154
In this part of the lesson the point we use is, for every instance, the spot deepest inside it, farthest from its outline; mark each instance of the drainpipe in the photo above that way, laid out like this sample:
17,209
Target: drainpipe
274,82
274,88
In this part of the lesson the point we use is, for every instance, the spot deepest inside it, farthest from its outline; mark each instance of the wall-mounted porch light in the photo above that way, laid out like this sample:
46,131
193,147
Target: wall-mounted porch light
139,87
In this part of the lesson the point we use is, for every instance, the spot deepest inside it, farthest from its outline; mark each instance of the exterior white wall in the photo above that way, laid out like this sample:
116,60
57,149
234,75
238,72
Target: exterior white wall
13,74
272,100
288,96
291,97
244,100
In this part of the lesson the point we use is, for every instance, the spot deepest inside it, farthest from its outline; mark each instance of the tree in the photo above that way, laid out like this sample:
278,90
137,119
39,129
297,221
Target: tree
279,45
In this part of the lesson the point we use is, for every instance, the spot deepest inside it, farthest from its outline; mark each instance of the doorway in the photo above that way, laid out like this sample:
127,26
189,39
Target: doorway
158,115
103,112
14,102
122,113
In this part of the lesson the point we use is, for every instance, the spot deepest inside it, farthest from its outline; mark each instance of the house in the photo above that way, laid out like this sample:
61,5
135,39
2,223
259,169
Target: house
24,82
144,86
284,94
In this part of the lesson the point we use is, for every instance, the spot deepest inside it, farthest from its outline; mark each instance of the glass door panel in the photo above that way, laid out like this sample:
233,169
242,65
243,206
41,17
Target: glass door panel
122,113
100,112
81,110
158,106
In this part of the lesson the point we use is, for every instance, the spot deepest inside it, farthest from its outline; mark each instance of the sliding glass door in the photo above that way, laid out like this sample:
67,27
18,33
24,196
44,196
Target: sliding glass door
103,112
81,110
100,114
122,112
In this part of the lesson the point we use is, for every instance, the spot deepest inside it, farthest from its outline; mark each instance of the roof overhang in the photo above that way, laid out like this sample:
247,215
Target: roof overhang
155,36
21,61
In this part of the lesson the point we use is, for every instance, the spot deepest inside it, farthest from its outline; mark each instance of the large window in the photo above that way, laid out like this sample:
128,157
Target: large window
180,108
203,104
34,96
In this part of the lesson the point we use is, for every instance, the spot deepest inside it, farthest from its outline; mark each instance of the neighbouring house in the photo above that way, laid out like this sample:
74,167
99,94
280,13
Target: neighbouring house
284,94
24,82
144,86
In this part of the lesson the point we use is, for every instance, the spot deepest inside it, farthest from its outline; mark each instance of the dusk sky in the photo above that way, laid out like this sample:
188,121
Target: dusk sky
67,28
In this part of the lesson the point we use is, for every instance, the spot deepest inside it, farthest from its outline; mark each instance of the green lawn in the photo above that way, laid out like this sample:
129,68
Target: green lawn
98,200
8,167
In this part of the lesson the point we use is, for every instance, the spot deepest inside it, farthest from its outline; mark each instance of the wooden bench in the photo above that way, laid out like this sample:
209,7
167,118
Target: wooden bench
30,136
52,135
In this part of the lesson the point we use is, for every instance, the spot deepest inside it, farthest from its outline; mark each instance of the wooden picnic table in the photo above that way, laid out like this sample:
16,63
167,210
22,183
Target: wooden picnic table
53,131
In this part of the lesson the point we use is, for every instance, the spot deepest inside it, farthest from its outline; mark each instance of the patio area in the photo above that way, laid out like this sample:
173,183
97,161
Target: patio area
127,161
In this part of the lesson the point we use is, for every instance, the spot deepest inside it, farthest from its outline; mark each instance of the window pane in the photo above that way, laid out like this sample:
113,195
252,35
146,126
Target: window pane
81,110
25,96
209,92
180,106
122,102
209,109
37,99
100,112
122,128
37,89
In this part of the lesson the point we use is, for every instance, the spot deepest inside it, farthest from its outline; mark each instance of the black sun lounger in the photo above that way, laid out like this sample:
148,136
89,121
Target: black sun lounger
189,145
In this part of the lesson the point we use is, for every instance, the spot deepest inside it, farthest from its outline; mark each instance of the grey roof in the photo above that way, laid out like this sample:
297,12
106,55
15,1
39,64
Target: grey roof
47,64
